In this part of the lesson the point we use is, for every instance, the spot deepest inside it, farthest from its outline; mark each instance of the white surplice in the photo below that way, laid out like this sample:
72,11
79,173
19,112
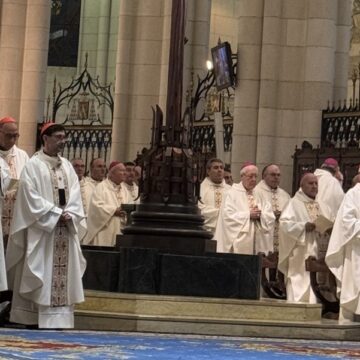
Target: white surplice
44,260
235,231
87,186
343,254
211,196
278,198
102,225
16,159
296,245
4,183
133,191
330,193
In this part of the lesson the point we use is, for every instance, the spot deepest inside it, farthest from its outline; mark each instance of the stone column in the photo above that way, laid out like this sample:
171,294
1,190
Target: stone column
282,84
139,80
102,53
198,32
24,42
224,21
250,30
342,48
12,39
34,71
103,40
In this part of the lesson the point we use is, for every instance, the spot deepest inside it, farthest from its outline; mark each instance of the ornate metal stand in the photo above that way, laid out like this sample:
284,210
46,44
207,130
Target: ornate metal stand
168,217
272,281
315,266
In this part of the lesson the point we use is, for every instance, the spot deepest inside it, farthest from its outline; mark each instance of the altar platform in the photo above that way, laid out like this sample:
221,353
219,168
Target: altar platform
209,316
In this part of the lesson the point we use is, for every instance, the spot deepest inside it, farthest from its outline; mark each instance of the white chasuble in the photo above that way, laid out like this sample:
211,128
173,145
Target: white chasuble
4,183
44,259
133,191
330,194
296,245
87,186
211,197
278,198
235,231
103,226
343,254
16,160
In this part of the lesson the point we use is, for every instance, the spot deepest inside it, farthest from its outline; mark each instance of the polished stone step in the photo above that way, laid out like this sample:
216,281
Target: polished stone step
199,307
208,316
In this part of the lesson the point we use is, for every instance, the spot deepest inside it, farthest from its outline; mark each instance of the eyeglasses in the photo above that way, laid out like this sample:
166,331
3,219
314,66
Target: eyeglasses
59,137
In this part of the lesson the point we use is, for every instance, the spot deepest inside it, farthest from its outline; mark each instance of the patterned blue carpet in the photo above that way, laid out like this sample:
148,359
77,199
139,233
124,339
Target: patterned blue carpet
32,344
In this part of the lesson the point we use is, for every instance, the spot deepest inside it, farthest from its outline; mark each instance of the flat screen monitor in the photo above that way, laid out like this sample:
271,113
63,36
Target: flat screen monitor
223,66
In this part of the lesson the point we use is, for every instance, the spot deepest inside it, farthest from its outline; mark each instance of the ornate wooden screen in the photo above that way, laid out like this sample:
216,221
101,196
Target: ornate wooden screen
88,105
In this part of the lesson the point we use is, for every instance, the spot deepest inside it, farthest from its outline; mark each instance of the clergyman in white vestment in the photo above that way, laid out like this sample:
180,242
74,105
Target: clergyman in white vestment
268,189
330,191
16,160
212,192
105,217
244,218
130,184
298,240
343,254
4,183
79,167
88,183
44,260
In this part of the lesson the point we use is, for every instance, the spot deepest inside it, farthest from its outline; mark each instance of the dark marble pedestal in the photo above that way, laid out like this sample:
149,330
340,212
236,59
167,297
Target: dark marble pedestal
103,268
150,271
170,228
167,244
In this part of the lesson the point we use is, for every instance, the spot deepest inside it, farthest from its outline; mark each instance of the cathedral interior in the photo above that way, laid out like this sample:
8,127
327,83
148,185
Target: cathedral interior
100,68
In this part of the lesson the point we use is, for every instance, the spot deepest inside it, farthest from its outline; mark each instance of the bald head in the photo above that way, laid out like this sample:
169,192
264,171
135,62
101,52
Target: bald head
248,176
309,185
117,173
271,176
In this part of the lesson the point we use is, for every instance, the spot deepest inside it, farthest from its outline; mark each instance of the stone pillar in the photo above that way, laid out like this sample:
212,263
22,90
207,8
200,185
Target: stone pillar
197,31
24,39
12,39
139,76
102,53
103,40
342,48
282,84
224,22
291,65
250,29
113,38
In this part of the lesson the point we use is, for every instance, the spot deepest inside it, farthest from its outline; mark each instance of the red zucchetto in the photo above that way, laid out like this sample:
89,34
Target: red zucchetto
113,164
7,119
331,162
46,126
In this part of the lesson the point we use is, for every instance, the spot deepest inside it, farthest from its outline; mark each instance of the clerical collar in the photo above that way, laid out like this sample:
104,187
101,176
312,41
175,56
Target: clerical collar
215,184
53,161
95,181
116,186
305,197
5,153
267,187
